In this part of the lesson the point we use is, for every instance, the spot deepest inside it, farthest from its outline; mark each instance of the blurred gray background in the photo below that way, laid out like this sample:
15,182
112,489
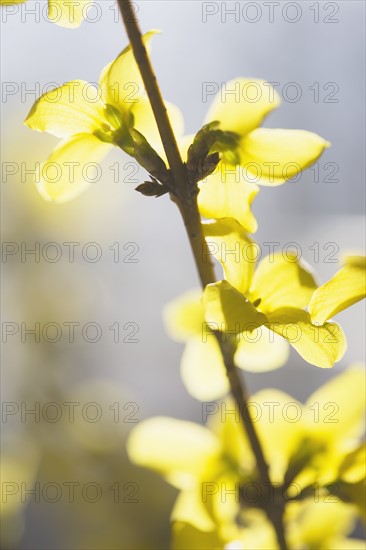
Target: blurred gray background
321,49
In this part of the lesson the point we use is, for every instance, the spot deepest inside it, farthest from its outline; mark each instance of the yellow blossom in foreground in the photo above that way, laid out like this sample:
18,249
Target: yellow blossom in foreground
92,121
270,156
250,155
261,308
311,456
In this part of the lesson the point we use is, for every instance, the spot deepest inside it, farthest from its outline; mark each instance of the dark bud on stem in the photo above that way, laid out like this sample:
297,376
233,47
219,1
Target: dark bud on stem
209,165
203,142
209,144
152,188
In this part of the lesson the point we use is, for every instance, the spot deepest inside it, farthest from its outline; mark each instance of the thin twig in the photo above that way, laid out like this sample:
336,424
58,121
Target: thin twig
187,205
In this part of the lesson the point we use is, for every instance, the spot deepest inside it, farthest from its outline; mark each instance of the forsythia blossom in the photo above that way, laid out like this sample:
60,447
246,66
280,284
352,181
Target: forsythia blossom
259,308
315,455
254,156
269,156
264,308
92,121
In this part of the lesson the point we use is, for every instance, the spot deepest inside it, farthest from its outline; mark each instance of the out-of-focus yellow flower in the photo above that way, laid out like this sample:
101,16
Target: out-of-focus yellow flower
66,13
19,467
322,525
91,121
310,454
311,525
263,307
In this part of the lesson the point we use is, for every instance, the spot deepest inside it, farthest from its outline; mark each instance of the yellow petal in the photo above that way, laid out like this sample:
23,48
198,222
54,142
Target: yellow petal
355,493
261,351
351,544
68,13
144,122
320,346
230,245
187,537
225,503
278,421
189,508
71,167
244,109
226,194
355,261
317,523
184,316
71,109
340,407
345,288
202,369
352,469
282,281
120,80
274,156
258,533
227,310
177,449
225,421
17,466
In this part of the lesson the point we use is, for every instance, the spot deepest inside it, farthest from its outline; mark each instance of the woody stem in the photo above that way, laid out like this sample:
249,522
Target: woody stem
186,201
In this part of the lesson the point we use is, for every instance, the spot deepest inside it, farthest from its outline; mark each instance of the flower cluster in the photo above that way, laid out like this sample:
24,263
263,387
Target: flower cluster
267,308
258,308
316,467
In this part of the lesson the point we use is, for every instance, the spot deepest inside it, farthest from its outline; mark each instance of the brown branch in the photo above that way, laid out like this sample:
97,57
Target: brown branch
187,204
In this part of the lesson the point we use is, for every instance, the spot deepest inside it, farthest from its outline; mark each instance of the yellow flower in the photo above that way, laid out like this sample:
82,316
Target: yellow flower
270,156
322,526
251,156
310,525
66,13
262,308
347,287
92,121
310,455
